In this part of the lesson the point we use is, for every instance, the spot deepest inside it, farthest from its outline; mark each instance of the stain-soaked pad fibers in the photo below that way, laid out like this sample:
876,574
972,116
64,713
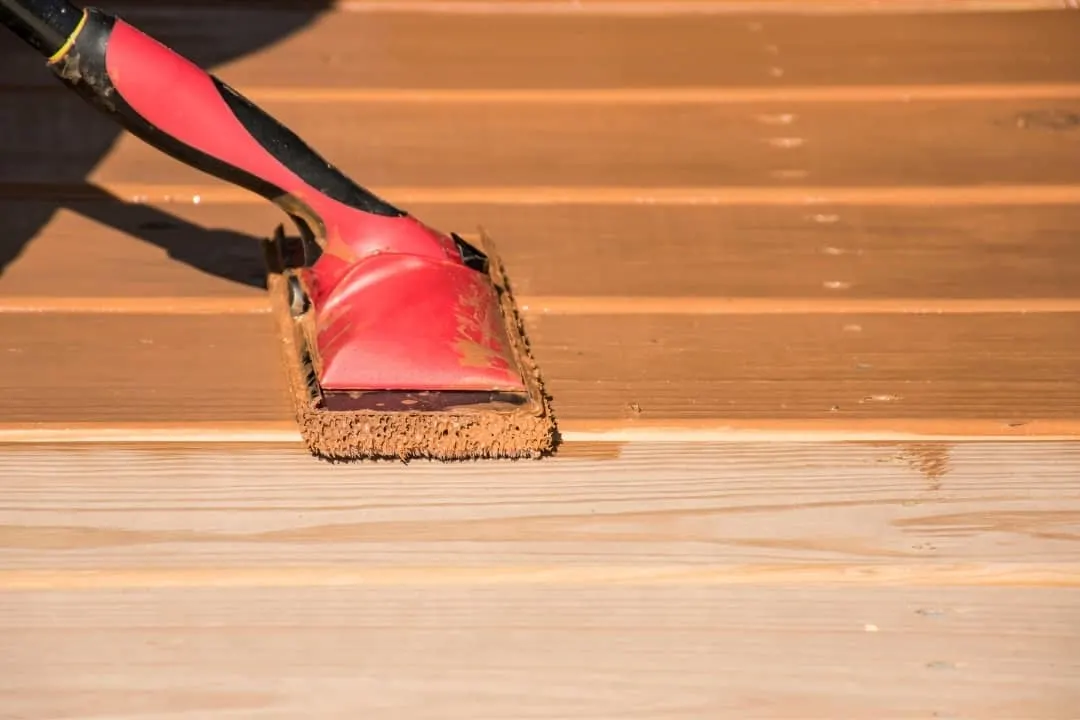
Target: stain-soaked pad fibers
412,425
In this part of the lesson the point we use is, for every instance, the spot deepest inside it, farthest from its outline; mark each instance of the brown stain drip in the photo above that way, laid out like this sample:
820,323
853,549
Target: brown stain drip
453,434
931,460
594,450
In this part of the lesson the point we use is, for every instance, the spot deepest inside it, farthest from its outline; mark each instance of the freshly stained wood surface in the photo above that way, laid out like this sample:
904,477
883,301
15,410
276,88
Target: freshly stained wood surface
858,514
968,371
582,144
497,50
810,366
145,369
103,249
498,652
537,51
110,249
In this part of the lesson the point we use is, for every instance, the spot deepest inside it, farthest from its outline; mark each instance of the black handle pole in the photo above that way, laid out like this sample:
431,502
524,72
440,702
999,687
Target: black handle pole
45,24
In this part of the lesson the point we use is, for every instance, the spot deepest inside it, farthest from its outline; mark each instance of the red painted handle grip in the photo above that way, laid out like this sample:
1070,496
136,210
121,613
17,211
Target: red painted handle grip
177,107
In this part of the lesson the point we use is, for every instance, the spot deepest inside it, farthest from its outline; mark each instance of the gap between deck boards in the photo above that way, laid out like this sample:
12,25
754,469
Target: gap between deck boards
648,96
807,196
614,430
1057,575
573,305
671,7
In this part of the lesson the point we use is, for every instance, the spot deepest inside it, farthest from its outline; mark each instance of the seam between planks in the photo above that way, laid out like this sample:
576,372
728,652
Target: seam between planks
770,196
852,575
618,430
648,96
84,305
682,7
599,305
572,305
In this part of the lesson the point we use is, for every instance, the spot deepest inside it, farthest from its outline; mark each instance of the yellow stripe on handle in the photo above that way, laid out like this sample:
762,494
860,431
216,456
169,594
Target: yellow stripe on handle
66,47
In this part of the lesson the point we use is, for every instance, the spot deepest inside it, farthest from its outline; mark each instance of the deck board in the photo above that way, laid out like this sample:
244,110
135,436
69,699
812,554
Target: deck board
833,369
143,369
669,514
497,652
569,144
970,373
823,253
603,49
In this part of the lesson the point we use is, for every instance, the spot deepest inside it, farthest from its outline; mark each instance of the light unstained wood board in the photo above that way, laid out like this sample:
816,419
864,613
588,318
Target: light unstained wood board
111,249
971,373
603,515
567,652
589,49
501,145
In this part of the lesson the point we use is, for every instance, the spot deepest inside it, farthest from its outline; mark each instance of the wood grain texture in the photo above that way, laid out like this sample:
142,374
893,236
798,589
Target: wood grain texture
824,253
757,514
583,145
683,652
306,47
761,371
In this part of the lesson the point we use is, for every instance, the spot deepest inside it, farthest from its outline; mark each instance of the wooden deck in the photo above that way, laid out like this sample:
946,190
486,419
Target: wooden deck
804,279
